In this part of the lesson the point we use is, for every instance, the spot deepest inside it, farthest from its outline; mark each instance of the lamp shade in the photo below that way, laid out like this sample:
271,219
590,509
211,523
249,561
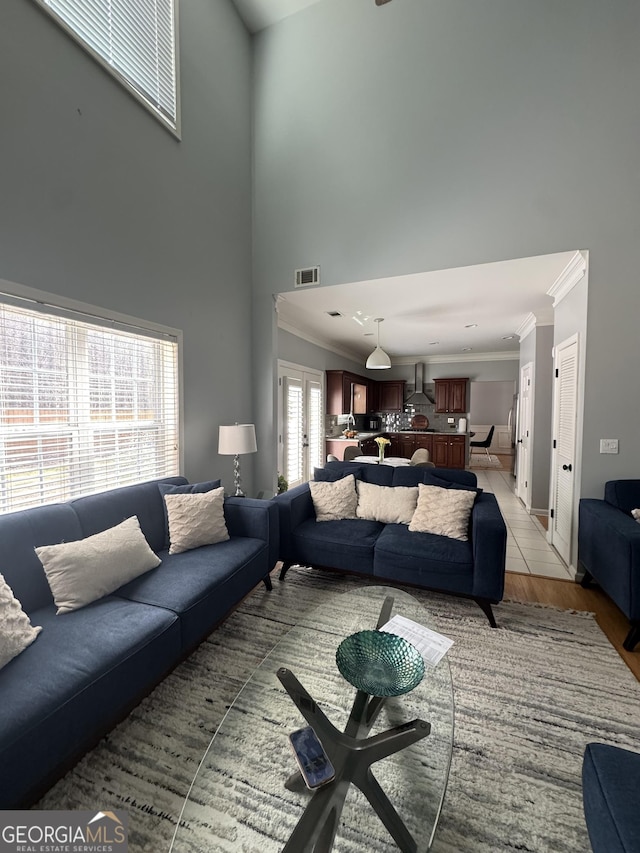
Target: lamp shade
236,439
378,360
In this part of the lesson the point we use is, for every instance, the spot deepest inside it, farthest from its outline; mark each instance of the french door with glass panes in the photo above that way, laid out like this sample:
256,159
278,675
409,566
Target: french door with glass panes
301,428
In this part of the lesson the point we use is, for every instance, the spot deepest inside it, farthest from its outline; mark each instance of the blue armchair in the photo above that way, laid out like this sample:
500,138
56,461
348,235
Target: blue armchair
609,549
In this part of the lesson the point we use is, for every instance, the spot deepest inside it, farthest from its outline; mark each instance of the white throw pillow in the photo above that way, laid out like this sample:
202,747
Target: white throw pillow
636,514
196,520
333,501
16,631
389,504
83,571
444,512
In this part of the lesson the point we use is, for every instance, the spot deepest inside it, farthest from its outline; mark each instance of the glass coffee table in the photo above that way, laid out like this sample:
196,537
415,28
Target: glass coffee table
246,796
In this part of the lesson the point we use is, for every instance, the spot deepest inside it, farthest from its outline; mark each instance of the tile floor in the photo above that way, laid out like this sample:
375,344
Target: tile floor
527,549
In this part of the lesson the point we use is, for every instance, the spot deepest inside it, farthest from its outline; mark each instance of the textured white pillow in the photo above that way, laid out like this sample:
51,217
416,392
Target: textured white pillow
636,514
333,501
390,504
83,571
196,520
443,511
16,631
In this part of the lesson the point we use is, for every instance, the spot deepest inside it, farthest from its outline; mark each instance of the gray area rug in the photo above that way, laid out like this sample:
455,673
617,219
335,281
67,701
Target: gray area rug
528,698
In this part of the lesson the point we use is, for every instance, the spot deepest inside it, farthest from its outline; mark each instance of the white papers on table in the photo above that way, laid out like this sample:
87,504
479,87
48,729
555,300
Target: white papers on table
431,645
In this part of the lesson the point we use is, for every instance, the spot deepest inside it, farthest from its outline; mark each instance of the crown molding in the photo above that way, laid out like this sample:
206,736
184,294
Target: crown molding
568,278
322,343
458,357
526,327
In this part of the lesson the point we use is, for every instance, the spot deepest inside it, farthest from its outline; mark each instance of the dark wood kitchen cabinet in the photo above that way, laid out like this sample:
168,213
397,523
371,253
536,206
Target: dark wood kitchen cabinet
449,451
390,394
451,396
347,393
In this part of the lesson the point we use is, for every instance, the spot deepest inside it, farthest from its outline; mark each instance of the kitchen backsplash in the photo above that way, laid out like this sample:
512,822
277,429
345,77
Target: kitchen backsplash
396,422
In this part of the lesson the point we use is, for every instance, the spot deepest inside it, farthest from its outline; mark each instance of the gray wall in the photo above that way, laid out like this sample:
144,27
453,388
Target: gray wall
490,402
98,202
427,134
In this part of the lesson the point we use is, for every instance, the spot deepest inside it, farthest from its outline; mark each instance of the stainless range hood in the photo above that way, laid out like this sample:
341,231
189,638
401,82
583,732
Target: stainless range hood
419,397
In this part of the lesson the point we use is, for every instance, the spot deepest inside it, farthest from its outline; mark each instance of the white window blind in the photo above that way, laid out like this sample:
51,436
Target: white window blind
134,39
83,407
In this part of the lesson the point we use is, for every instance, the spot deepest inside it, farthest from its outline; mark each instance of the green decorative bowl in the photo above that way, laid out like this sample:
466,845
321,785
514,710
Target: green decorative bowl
380,663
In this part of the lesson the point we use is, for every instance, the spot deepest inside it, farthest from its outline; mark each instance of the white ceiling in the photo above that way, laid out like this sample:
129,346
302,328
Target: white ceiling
426,307
258,14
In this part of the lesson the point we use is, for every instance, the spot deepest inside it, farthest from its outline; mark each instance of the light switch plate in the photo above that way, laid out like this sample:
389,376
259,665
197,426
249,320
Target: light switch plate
608,445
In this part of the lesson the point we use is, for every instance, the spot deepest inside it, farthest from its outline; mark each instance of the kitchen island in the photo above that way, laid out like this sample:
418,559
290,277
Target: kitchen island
446,449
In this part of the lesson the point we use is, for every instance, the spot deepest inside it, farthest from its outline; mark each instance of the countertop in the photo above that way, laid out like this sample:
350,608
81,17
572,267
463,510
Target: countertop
362,436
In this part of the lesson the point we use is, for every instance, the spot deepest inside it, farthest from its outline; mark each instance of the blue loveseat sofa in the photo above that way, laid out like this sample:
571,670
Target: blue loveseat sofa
89,667
609,548
391,552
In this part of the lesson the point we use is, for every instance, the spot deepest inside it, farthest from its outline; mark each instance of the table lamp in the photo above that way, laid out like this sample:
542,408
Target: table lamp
234,440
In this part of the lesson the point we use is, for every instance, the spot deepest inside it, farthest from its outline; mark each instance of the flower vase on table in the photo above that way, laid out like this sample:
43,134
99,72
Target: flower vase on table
382,443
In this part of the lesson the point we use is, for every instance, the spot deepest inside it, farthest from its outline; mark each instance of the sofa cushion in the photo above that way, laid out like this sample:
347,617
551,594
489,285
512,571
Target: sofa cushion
347,544
333,471
381,475
394,504
423,559
201,585
445,512
55,703
196,520
334,500
186,489
104,510
83,571
409,475
623,494
20,533
610,782
16,631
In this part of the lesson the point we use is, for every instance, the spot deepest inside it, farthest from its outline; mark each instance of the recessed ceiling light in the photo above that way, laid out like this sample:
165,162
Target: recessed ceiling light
467,349
508,337
471,326
360,317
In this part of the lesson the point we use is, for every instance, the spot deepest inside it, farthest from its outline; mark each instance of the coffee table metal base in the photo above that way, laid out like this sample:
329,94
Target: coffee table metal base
352,753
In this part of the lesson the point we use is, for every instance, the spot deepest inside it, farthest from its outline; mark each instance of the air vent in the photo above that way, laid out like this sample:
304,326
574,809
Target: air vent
305,277
334,314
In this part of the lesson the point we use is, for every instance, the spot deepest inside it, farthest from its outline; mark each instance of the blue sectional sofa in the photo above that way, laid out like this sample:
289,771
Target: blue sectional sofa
610,784
609,548
391,552
89,667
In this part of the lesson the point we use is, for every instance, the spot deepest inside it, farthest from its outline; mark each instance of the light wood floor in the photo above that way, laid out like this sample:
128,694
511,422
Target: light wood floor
571,596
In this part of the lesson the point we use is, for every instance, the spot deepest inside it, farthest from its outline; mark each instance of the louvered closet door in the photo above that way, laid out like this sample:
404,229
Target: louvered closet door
301,427
564,434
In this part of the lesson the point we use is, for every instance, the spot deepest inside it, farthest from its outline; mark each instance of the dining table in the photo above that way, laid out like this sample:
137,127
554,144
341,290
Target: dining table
394,461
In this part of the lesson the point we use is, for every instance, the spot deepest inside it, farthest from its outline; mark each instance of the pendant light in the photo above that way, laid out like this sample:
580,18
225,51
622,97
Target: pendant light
378,360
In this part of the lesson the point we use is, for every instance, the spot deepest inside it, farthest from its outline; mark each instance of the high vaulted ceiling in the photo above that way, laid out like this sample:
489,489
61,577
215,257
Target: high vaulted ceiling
468,313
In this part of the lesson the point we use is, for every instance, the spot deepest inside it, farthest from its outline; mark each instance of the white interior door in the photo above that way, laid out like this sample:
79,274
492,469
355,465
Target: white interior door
301,423
564,445
523,436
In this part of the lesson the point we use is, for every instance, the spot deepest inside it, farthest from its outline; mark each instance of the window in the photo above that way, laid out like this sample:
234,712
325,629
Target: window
83,406
134,39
